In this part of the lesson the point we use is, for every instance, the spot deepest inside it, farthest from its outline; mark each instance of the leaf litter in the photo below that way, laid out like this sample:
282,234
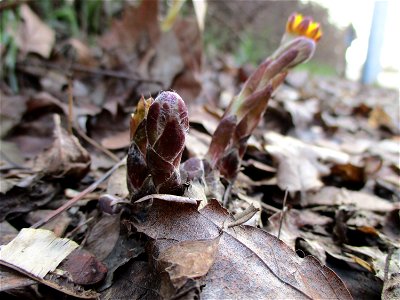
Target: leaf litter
331,143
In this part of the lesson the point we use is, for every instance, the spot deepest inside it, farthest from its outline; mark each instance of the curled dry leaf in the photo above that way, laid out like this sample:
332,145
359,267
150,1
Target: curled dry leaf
299,166
333,196
66,158
249,262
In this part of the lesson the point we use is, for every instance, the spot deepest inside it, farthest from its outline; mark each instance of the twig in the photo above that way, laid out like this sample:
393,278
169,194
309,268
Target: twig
227,194
79,68
283,213
265,206
78,197
95,144
73,231
70,105
244,216
387,263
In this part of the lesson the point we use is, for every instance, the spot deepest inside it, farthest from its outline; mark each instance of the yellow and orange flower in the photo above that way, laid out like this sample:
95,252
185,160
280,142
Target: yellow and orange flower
303,26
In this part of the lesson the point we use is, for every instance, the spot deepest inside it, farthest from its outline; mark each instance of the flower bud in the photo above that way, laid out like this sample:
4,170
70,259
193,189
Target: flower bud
246,109
299,50
166,125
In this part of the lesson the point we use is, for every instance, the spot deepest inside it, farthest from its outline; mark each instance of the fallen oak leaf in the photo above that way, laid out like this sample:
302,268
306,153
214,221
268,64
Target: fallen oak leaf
250,263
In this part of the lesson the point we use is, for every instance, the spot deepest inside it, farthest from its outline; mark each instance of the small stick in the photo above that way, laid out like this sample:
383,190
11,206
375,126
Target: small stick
227,194
73,231
78,197
387,263
95,144
265,206
283,213
94,71
70,105
244,216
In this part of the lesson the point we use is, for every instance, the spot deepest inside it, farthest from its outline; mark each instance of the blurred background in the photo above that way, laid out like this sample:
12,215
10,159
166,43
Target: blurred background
246,30
347,26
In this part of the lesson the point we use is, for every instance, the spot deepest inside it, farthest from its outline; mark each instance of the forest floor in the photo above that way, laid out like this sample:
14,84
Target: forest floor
322,170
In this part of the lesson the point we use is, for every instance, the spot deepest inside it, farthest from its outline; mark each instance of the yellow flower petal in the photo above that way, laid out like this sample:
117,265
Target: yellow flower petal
303,26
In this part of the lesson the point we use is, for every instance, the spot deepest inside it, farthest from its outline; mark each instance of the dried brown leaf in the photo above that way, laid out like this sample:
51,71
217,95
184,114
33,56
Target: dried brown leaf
33,136
83,268
58,225
250,263
103,236
332,196
136,282
299,166
188,259
29,193
34,35
125,34
190,44
66,158
117,141
11,110
117,185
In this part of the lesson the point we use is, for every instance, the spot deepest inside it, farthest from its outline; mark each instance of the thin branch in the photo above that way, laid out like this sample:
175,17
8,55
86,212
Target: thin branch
78,197
92,142
244,216
387,263
80,68
283,213
70,105
76,229
227,193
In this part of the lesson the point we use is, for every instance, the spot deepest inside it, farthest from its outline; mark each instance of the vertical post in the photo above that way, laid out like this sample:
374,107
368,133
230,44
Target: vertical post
372,63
